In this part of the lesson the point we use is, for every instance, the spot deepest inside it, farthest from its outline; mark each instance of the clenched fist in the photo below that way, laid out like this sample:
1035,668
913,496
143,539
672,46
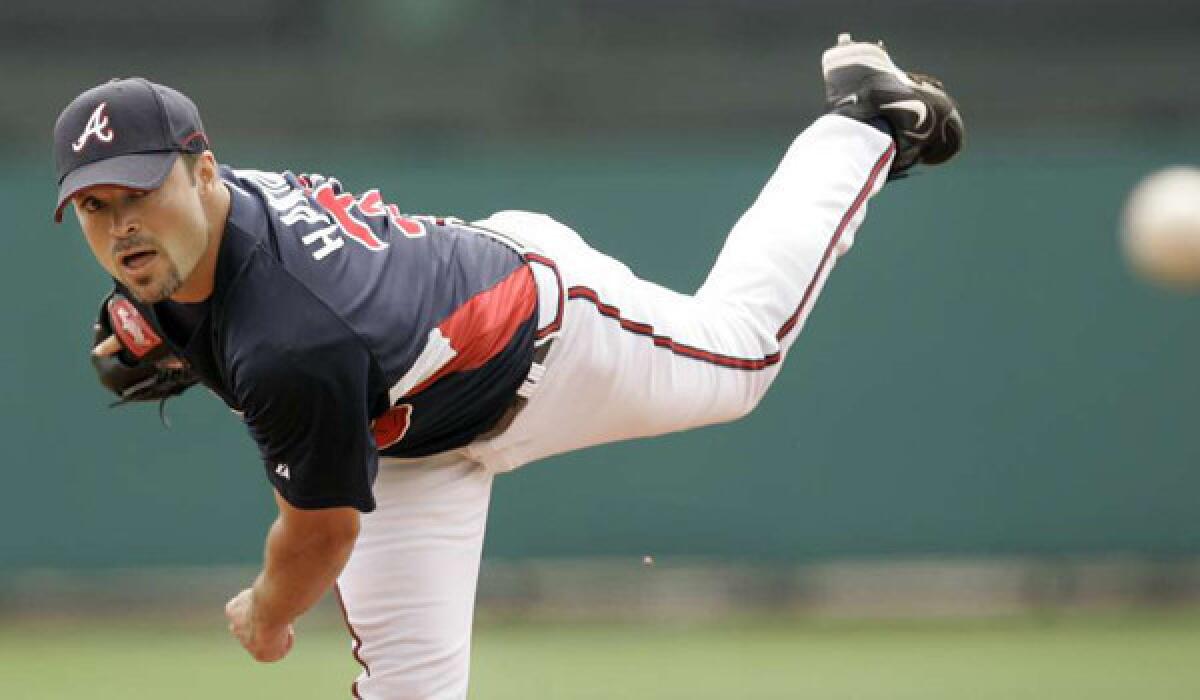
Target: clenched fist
265,642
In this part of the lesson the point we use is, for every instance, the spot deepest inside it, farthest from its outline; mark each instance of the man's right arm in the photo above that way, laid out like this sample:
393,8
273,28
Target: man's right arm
305,552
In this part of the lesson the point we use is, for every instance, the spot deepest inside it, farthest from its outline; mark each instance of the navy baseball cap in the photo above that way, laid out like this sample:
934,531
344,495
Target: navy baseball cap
126,132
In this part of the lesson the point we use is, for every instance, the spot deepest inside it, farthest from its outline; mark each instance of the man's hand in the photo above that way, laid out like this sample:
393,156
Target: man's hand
109,346
265,642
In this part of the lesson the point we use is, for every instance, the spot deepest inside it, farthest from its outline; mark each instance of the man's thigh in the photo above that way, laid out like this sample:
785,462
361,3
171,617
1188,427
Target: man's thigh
633,358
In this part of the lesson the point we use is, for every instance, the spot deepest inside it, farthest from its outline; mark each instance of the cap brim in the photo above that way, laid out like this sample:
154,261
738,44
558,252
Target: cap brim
137,171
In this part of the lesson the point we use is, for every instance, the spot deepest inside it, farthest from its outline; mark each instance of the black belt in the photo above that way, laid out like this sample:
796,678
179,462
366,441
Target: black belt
540,352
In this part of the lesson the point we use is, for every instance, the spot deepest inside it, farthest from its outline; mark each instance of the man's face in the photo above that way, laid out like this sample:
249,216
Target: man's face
149,241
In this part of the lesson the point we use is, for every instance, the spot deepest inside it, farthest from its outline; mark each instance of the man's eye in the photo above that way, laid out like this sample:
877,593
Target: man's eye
92,205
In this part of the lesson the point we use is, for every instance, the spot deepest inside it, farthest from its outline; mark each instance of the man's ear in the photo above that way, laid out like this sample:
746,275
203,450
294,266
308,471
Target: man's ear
206,170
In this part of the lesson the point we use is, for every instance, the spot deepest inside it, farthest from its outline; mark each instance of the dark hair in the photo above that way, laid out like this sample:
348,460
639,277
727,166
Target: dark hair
189,164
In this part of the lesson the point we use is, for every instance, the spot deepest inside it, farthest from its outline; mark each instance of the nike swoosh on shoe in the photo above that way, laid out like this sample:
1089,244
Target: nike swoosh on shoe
917,108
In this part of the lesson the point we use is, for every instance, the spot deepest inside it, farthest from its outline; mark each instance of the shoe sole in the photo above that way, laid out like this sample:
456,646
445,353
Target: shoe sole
862,55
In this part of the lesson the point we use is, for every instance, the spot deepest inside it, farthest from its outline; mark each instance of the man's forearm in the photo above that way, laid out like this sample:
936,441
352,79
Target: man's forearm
299,565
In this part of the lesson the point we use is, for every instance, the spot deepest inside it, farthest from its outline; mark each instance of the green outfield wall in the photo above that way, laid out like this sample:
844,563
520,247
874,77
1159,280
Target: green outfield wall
982,375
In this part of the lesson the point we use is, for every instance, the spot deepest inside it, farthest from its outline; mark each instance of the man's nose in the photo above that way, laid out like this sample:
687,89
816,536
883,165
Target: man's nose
124,224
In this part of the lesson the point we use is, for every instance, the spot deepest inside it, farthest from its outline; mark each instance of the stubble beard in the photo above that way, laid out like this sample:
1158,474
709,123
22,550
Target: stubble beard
170,284
153,292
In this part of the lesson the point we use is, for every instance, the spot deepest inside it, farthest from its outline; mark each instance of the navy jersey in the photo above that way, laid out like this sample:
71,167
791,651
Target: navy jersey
341,329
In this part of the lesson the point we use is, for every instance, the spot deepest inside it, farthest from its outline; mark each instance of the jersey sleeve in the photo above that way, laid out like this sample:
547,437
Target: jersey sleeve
308,411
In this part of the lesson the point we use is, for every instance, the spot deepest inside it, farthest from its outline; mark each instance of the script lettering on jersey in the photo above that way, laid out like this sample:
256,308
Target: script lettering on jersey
372,204
339,205
339,215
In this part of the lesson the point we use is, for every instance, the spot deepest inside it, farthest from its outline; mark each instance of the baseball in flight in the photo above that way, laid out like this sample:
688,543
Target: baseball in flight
1161,227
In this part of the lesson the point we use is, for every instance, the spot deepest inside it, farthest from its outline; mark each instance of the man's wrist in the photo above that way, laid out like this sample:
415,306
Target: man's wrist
263,614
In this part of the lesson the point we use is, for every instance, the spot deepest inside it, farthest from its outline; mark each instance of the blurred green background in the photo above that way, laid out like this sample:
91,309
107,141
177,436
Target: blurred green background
982,376
982,380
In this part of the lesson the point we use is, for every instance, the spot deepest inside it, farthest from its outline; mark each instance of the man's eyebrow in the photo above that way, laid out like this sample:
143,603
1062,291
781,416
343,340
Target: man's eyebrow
89,194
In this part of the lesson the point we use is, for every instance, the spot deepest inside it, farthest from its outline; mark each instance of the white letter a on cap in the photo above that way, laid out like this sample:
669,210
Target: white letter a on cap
97,125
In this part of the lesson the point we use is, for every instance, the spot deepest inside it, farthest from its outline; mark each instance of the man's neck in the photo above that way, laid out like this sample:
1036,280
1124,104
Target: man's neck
199,285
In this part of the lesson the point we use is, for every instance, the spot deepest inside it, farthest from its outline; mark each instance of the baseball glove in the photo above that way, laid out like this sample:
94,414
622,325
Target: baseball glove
144,369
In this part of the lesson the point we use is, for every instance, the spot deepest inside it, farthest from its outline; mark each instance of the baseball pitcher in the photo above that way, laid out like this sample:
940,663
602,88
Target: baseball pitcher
389,365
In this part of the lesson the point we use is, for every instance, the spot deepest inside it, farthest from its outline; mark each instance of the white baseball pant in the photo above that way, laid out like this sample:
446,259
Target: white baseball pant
632,359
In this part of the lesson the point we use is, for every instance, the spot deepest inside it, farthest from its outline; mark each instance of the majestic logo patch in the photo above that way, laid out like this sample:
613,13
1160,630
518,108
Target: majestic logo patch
97,125
133,330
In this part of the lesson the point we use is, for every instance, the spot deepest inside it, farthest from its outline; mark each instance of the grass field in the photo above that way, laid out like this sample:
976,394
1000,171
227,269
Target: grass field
1119,657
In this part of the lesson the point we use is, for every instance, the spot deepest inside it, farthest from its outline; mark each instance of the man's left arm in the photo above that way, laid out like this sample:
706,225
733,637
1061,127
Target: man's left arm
305,552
